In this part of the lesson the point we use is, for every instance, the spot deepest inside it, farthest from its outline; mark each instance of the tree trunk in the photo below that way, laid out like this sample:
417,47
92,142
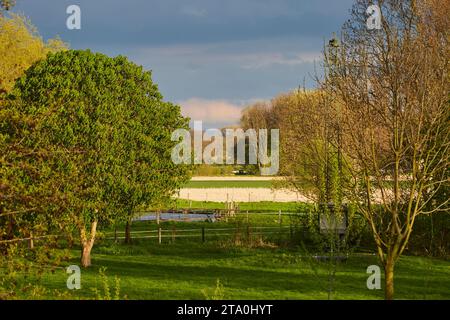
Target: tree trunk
87,244
86,256
389,279
128,232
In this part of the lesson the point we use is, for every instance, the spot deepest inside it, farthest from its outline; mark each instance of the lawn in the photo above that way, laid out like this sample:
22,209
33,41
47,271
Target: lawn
189,270
264,268
262,206
229,184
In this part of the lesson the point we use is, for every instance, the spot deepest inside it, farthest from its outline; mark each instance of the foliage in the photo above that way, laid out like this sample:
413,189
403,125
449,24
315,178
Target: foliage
20,47
217,294
22,271
312,160
213,170
105,292
100,135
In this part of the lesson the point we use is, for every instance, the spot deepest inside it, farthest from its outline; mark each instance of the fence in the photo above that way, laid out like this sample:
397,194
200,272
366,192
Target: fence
206,214
203,234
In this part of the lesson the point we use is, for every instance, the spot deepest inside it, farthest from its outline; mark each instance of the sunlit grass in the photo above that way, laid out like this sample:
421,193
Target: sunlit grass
229,184
184,269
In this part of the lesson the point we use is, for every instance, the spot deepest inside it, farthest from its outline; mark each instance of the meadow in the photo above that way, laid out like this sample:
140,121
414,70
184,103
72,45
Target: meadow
229,184
261,206
231,266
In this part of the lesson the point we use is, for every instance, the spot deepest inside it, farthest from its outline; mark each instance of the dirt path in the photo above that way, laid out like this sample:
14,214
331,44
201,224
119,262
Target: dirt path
240,195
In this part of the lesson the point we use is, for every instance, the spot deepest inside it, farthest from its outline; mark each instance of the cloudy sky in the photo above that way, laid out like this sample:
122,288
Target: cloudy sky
210,56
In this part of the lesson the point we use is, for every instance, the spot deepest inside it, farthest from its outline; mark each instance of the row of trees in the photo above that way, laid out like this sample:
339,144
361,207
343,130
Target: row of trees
375,132
85,139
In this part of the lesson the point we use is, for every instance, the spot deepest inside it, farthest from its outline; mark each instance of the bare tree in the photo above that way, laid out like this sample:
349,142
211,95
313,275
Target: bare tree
391,86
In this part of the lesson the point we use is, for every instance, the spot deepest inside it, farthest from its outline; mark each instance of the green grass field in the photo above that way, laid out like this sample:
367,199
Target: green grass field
229,184
262,206
187,268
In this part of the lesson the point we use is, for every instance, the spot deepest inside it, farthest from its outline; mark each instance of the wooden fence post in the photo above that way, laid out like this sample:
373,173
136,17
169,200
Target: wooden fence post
279,217
159,235
248,233
203,234
31,241
174,230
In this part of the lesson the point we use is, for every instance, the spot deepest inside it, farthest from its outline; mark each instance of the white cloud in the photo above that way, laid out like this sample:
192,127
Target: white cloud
219,111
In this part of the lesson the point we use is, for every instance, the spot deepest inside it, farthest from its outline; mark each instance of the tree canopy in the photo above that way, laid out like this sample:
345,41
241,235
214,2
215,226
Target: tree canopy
99,132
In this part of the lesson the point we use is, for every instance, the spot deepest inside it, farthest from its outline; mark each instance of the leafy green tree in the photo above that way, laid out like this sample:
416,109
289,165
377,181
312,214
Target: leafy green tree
104,134
20,47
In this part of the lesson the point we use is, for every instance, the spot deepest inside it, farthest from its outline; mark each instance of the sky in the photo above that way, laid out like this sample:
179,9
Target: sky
212,57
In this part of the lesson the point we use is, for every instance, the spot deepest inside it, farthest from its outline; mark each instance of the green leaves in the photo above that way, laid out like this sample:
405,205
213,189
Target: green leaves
102,133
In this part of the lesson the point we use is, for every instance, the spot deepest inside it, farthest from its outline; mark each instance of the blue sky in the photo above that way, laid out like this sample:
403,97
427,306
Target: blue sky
210,56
